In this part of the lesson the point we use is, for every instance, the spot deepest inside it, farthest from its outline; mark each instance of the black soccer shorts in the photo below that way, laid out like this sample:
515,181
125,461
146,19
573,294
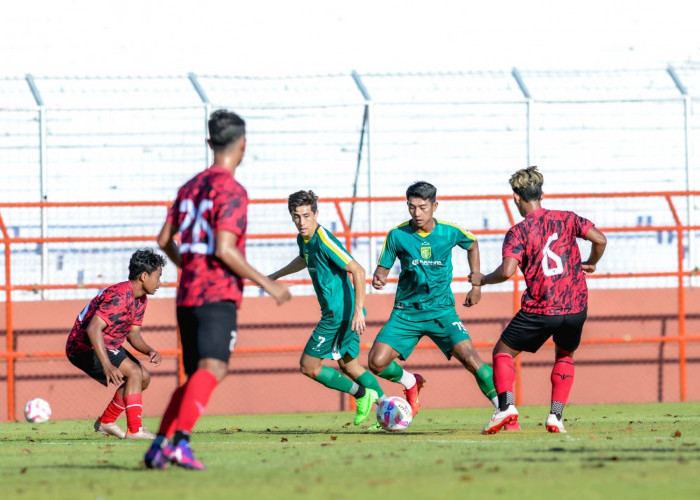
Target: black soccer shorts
207,331
90,363
528,331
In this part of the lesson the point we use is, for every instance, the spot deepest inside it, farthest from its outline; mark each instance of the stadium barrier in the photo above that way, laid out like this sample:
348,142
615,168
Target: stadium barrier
11,354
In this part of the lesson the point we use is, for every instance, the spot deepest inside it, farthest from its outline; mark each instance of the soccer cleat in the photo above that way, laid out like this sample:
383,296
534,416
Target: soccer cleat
555,424
157,457
140,434
364,405
501,418
375,427
513,425
412,394
109,429
182,455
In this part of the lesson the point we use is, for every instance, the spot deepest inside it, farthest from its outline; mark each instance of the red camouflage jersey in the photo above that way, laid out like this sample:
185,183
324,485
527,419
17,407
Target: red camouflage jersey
545,245
211,201
118,307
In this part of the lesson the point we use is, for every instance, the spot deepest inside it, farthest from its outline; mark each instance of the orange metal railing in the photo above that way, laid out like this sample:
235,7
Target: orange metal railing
348,234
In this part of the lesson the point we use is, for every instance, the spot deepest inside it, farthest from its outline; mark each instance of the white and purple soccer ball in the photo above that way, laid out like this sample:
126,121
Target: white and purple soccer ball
394,414
37,411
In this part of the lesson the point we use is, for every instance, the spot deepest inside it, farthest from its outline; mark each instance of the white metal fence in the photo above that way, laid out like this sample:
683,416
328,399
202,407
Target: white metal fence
139,138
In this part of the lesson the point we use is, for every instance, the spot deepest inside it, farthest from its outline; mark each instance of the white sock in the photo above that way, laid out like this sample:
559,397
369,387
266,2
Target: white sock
353,390
381,398
408,379
494,400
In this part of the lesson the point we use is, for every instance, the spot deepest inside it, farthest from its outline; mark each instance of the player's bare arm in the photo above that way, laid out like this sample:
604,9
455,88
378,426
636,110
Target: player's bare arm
598,243
294,266
94,331
227,252
473,259
166,241
137,341
502,273
379,277
358,282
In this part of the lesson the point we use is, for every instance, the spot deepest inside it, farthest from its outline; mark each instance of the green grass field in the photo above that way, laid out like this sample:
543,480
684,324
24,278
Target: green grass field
622,451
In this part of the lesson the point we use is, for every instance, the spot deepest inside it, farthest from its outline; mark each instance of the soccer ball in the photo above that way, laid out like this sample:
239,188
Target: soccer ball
37,411
394,414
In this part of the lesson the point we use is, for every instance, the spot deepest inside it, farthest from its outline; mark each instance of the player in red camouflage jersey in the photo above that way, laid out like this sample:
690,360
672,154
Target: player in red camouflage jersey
210,213
556,299
95,343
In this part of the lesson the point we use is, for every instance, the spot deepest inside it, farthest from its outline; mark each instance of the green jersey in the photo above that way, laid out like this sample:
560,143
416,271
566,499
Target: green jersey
423,291
326,259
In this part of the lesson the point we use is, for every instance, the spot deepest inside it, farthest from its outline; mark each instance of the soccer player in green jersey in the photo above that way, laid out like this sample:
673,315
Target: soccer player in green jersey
342,307
424,303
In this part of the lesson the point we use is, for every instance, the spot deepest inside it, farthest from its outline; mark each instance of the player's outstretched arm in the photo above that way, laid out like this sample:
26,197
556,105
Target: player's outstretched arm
94,331
502,273
137,341
379,277
294,266
358,281
227,252
166,241
599,241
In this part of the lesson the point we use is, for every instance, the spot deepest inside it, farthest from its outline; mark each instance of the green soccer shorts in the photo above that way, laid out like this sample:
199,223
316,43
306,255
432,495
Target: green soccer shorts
402,335
333,339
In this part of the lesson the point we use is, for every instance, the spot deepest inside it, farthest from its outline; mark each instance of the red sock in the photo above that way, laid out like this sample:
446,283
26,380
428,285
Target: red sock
134,407
503,372
562,379
167,425
113,410
195,398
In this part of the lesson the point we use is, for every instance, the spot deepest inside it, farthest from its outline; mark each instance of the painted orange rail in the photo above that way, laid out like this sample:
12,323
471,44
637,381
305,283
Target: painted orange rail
680,273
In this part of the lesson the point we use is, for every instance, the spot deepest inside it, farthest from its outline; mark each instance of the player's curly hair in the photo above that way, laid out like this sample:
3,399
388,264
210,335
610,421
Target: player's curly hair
527,183
302,198
423,190
145,260
225,128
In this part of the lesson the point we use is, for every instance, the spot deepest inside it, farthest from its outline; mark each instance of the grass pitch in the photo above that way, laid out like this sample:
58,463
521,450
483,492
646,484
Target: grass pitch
622,451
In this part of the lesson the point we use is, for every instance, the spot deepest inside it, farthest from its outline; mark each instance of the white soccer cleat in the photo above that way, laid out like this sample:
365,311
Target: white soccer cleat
109,429
501,418
141,434
554,424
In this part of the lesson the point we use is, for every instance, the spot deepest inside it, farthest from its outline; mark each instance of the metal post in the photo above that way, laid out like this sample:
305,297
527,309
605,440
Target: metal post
207,111
370,173
689,178
43,180
528,114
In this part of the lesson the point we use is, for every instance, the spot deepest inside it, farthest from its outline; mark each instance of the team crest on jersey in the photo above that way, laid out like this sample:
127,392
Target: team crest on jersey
425,252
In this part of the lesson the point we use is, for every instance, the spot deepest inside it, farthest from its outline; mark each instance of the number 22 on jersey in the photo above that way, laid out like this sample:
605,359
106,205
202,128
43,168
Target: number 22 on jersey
196,235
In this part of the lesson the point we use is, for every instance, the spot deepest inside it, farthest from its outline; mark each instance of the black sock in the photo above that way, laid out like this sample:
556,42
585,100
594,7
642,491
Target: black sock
505,399
360,393
179,435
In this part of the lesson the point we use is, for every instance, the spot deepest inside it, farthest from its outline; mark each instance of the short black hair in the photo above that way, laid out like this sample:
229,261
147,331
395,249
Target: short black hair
225,128
301,199
145,260
423,190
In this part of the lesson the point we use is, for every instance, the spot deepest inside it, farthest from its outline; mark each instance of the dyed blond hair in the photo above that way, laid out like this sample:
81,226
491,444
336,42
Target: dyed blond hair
527,183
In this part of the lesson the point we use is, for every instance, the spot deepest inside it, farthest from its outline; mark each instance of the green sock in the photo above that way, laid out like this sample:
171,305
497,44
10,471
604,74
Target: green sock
484,377
393,372
334,379
368,381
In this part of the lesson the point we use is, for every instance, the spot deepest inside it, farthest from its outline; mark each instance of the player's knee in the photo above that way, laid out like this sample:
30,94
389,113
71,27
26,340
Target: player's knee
145,379
309,371
378,363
